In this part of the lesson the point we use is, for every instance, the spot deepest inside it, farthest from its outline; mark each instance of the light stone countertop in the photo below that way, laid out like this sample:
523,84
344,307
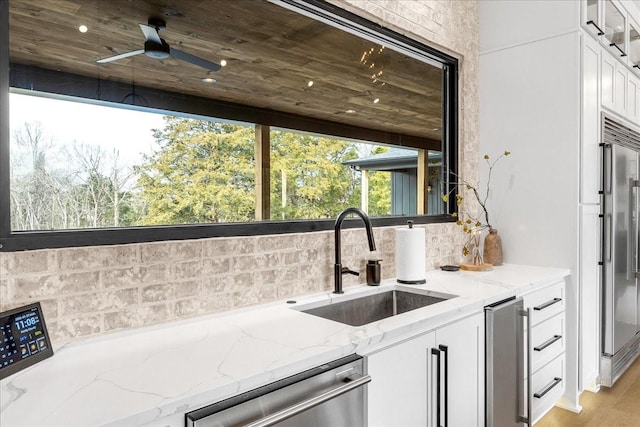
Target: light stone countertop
153,375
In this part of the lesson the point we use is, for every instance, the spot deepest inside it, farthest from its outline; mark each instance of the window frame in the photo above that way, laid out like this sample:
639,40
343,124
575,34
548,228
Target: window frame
317,9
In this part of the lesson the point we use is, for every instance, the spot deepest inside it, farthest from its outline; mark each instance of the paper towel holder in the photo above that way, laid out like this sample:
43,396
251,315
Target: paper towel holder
411,282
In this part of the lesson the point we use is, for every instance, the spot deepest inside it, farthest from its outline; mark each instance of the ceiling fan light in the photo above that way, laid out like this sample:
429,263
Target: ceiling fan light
156,50
157,54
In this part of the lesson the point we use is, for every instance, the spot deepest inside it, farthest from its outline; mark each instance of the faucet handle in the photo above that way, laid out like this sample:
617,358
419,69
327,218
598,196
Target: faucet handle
345,270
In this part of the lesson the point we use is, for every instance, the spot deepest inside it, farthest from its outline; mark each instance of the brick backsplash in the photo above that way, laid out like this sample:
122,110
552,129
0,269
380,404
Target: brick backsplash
126,286
95,290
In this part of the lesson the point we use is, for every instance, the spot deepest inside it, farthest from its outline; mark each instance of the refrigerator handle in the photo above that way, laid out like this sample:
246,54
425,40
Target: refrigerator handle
607,166
632,229
609,237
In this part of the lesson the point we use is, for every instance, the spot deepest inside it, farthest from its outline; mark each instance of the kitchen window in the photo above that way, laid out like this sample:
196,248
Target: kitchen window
293,127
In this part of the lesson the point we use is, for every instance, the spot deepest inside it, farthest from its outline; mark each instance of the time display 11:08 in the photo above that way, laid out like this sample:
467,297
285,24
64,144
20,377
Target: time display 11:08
22,323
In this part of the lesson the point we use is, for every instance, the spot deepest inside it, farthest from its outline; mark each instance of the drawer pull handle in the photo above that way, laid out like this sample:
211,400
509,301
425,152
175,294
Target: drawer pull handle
547,304
548,342
548,388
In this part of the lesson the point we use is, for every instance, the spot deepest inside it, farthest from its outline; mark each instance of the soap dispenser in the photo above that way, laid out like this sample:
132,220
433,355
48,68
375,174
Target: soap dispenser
373,272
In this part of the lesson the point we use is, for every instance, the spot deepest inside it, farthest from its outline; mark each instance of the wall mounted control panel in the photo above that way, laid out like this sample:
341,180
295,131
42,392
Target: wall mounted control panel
24,340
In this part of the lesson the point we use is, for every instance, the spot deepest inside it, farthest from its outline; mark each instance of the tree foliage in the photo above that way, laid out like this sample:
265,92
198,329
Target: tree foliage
203,172
200,172
379,189
54,187
308,179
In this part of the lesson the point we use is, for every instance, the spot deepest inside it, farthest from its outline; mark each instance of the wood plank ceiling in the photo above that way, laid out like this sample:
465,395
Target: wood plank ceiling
272,54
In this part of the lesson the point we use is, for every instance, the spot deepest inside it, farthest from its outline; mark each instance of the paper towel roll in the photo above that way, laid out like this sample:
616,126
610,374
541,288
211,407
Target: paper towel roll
410,255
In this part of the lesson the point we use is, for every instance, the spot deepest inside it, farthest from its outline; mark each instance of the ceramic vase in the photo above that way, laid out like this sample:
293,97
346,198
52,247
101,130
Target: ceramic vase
493,248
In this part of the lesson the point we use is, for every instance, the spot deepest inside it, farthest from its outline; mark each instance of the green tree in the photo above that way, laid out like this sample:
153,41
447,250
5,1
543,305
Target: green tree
308,179
379,193
203,172
379,188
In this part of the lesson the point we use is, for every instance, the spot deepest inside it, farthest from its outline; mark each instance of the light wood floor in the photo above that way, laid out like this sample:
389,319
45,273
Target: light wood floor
615,407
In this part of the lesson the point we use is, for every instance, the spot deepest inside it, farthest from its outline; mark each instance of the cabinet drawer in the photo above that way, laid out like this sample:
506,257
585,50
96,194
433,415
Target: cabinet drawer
547,341
547,386
545,303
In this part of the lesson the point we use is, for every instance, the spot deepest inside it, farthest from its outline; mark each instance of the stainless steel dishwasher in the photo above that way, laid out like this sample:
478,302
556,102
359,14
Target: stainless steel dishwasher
329,395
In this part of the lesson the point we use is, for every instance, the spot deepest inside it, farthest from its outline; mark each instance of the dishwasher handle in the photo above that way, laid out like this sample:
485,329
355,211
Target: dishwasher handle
352,382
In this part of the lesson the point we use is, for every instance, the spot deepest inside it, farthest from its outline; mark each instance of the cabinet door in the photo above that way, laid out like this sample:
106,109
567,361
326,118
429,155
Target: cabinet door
592,17
589,295
590,152
398,392
633,101
614,79
608,72
634,46
620,88
463,343
615,23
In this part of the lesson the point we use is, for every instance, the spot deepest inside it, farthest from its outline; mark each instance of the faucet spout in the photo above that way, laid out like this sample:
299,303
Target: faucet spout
338,269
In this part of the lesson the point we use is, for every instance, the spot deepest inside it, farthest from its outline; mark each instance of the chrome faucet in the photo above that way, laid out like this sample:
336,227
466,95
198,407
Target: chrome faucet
339,270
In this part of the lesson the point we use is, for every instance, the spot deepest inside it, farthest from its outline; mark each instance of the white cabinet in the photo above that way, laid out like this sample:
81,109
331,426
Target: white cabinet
590,150
620,55
608,70
397,394
614,84
546,308
615,24
633,99
406,379
519,85
462,379
589,271
634,46
592,17
620,89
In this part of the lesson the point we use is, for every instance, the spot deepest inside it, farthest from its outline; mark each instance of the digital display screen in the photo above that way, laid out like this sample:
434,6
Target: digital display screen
23,339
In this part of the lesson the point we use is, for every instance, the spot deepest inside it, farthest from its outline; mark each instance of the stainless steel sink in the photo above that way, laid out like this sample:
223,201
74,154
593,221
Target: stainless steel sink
369,308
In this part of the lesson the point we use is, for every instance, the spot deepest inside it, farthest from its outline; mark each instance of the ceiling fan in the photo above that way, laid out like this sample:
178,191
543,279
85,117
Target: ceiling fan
157,48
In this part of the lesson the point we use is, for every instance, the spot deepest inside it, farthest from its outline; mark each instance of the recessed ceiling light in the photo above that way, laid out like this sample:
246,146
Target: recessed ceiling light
375,101
208,80
350,111
83,28
310,83
223,63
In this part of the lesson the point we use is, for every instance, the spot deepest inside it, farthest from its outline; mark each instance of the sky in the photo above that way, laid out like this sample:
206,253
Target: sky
128,131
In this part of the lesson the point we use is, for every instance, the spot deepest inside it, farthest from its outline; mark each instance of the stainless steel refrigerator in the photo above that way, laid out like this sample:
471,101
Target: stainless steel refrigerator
620,335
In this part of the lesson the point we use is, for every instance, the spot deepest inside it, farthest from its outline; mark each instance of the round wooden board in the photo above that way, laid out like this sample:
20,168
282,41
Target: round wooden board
476,267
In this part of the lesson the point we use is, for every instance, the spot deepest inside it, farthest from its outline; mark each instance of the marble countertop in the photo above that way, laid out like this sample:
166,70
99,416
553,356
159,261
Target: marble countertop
153,375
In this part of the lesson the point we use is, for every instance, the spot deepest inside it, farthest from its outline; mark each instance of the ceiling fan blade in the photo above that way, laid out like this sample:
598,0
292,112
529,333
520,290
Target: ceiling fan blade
178,54
121,56
150,33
